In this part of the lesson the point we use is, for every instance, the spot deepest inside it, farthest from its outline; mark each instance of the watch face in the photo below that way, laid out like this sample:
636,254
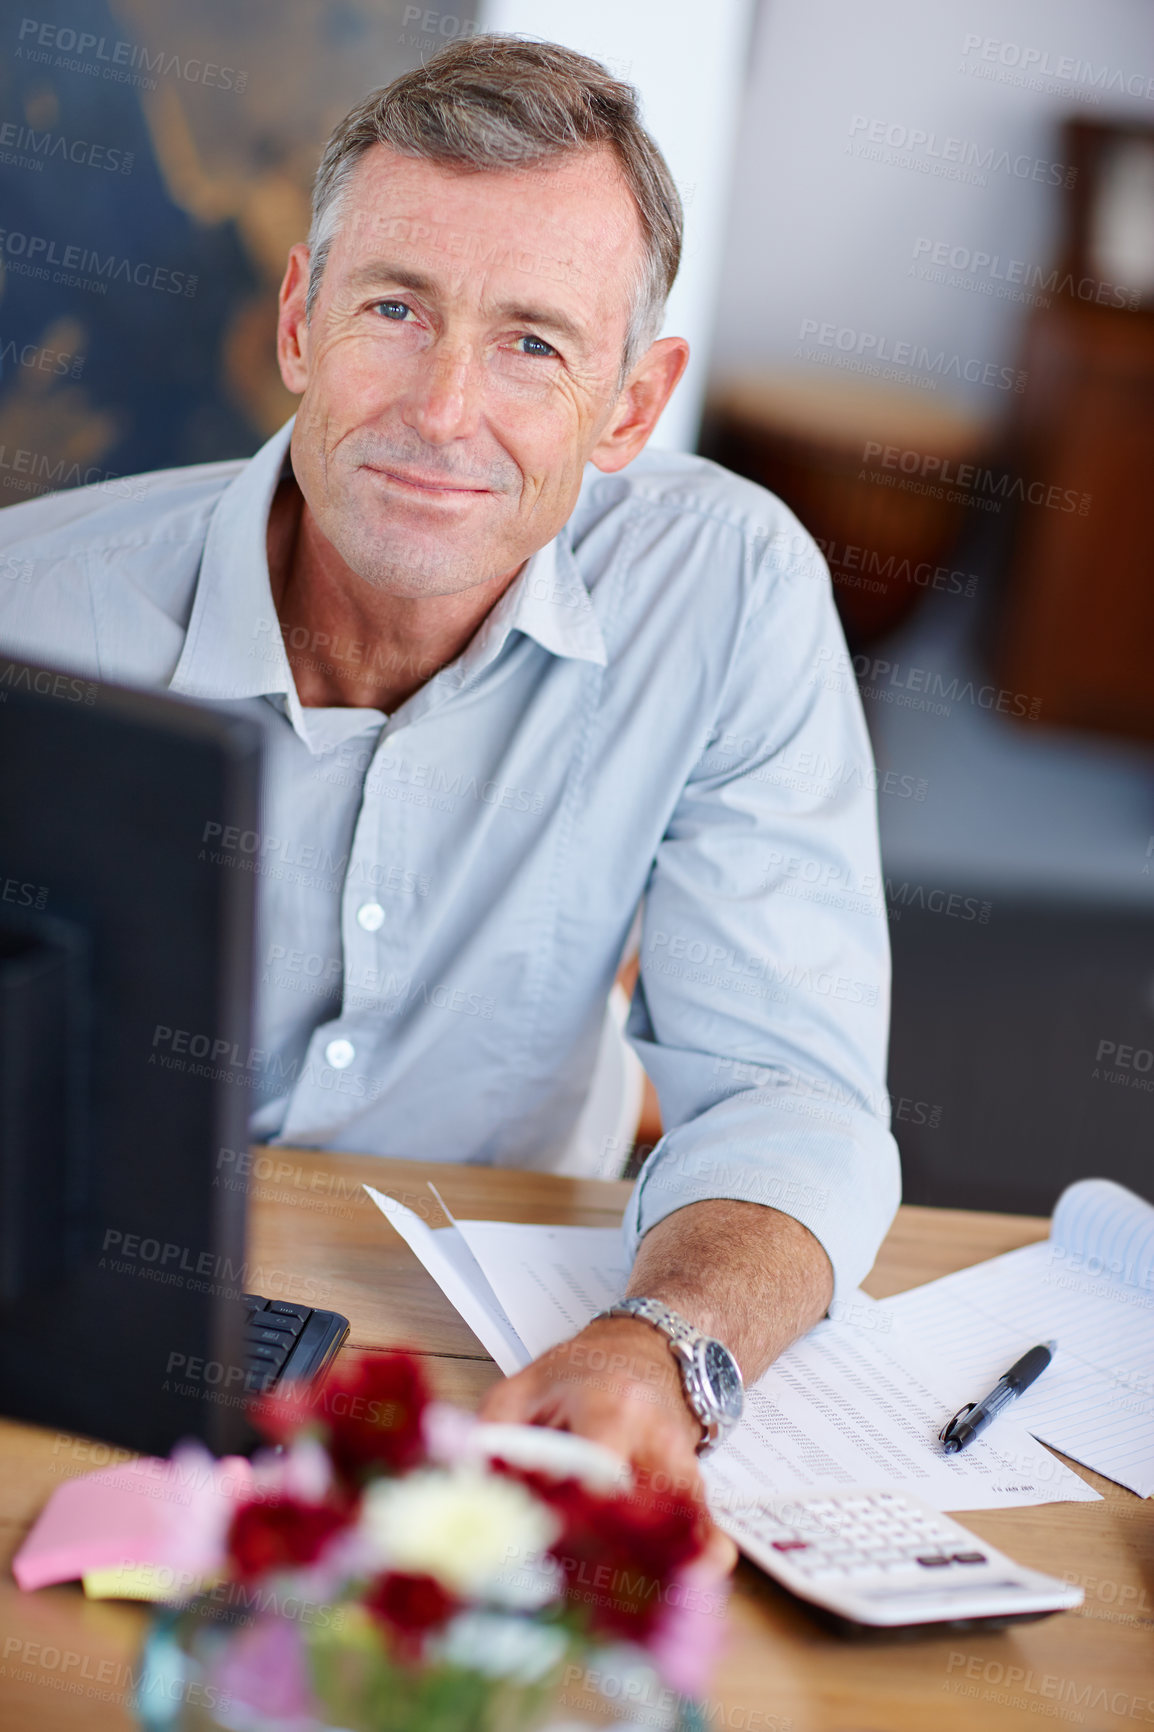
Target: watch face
723,1379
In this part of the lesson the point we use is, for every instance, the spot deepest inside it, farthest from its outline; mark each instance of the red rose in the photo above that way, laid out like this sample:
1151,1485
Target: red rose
409,1606
369,1411
620,1553
280,1533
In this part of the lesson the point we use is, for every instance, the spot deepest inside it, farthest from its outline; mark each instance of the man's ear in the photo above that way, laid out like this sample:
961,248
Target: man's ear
292,331
643,396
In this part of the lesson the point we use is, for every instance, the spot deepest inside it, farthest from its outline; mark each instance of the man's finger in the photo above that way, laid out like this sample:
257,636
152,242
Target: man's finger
510,1400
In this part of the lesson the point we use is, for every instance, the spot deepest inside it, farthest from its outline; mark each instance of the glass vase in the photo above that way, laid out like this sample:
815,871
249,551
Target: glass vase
324,1670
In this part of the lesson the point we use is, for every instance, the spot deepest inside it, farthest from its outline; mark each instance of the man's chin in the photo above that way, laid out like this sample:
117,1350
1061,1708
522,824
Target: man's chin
415,566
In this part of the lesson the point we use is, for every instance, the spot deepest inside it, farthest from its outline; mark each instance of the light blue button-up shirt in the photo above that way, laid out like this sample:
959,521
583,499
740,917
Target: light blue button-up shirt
652,714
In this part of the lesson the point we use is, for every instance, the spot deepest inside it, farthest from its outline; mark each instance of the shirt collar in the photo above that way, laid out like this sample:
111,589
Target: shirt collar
549,602
233,647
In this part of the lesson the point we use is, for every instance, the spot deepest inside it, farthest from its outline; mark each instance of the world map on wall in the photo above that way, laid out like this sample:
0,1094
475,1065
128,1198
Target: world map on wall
156,159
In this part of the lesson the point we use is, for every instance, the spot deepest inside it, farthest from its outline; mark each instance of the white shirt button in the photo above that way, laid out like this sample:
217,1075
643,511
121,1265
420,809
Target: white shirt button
371,916
340,1054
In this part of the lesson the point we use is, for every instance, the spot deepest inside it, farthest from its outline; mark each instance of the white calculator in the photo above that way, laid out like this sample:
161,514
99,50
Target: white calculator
883,1560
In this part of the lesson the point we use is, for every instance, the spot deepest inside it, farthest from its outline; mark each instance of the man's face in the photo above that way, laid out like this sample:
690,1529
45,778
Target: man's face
461,364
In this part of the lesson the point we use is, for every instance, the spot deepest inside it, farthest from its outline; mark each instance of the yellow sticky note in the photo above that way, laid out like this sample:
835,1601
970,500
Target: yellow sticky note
157,1582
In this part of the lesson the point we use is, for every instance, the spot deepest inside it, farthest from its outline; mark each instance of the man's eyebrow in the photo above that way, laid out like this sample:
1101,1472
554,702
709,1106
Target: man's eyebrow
376,271
379,271
549,318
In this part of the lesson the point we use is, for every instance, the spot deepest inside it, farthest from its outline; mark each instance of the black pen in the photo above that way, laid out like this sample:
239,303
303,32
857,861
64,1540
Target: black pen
975,1416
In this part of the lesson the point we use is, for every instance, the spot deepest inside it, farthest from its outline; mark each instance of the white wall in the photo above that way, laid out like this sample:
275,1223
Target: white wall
688,60
816,233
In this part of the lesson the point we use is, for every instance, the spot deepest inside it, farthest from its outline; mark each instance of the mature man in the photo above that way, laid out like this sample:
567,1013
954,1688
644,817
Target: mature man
522,678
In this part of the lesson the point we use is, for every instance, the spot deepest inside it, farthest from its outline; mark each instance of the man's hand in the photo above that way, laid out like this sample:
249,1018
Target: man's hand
618,1383
753,1277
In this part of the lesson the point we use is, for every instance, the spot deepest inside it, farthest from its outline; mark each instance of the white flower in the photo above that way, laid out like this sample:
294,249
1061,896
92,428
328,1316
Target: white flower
561,1454
478,1533
500,1646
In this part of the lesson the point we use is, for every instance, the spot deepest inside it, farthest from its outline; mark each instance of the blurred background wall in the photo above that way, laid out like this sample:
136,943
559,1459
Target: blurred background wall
919,286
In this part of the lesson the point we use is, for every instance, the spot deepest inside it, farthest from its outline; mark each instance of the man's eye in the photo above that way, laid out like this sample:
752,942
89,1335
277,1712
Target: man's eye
391,309
536,346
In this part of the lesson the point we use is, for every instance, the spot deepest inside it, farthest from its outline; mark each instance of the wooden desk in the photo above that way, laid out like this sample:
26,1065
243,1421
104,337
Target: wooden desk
314,1234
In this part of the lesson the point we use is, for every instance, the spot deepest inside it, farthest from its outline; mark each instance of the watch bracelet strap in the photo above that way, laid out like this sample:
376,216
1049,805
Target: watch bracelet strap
671,1323
678,1331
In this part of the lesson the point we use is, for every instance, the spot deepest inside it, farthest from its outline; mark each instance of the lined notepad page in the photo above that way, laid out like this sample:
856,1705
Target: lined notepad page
1090,1286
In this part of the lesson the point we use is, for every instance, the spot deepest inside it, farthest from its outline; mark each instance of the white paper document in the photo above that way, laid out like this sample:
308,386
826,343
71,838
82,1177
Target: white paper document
850,1404
1090,1287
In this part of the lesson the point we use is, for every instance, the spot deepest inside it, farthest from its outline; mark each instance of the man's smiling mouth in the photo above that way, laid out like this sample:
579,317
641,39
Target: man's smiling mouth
427,484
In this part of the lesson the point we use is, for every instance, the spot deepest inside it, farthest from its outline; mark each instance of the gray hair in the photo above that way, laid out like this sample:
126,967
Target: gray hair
495,101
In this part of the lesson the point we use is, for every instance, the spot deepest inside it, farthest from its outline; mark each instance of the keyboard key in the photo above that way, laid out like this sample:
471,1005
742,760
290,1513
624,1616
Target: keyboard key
284,1309
281,1320
969,1557
791,1545
271,1338
932,1560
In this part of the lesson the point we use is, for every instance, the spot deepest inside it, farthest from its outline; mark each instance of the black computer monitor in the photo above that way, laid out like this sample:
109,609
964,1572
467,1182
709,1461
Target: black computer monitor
121,1261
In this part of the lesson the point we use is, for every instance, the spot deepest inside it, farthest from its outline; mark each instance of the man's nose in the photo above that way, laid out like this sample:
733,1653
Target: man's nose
443,400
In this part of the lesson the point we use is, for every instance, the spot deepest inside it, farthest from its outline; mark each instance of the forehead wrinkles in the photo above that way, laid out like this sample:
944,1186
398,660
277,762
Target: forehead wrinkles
459,245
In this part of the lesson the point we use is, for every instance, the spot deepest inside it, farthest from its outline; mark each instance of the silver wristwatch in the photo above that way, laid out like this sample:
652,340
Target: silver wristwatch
710,1375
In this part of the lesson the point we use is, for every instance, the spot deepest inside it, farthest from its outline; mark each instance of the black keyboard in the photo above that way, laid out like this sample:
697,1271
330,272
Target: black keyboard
287,1343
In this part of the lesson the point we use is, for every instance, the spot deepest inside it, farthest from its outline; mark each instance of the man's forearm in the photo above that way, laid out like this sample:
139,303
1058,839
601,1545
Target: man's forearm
751,1276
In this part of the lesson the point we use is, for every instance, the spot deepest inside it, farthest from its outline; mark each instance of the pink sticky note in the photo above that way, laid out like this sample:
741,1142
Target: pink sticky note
173,1514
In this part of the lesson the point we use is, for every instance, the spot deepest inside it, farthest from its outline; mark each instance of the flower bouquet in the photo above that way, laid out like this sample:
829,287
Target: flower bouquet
402,1566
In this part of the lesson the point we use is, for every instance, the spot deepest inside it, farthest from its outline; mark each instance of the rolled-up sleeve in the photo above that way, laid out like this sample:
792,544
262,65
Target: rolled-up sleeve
762,1007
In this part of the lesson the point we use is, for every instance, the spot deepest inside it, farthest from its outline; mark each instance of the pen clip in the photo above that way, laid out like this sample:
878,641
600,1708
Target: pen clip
944,1433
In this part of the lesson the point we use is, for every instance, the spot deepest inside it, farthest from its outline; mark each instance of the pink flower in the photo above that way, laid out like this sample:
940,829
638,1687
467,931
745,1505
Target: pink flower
264,1667
687,1637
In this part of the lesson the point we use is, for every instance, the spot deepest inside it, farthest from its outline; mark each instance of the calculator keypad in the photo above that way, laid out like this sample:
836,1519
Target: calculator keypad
851,1538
